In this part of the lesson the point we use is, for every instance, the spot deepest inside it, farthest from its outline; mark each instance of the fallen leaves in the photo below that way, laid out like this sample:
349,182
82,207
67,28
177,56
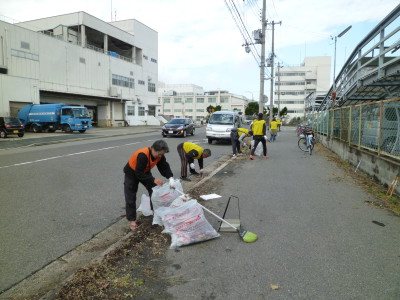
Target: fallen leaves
274,287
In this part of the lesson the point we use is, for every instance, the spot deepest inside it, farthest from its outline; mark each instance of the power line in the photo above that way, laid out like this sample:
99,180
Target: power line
242,28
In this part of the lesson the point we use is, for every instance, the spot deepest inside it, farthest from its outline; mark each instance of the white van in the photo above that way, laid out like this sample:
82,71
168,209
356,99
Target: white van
220,124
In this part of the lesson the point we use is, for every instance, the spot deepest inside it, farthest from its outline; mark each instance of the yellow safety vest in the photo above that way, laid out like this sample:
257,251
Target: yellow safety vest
258,126
187,147
274,125
242,130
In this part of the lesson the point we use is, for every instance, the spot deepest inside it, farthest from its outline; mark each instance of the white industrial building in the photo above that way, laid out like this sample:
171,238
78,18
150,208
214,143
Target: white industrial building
111,68
293,84
191,101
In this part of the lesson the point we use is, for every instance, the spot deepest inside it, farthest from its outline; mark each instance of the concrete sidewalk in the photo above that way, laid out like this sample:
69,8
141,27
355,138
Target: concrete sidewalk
317,237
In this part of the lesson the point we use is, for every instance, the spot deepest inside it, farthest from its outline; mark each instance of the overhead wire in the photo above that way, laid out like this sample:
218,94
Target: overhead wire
242,28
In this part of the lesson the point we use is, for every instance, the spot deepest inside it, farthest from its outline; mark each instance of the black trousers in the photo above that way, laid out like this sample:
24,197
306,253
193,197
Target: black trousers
131,184
235,142
259,139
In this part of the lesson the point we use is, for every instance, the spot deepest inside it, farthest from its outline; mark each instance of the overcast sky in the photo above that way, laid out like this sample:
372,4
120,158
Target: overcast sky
200,43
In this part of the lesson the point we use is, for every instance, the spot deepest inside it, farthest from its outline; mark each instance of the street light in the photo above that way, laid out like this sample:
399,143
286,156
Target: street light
334,64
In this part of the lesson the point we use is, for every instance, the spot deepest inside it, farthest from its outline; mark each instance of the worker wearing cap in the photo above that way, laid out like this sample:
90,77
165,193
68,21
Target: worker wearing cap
237,138
259,129
188,152
138,169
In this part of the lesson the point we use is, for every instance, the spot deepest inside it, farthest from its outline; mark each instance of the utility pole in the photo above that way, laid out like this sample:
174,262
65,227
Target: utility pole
262,67
271,100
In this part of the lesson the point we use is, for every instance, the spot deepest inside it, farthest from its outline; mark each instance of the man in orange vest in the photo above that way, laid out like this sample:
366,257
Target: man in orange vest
138,169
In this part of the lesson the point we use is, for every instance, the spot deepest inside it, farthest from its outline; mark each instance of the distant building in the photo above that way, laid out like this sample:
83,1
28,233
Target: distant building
295,83
191,101
111,68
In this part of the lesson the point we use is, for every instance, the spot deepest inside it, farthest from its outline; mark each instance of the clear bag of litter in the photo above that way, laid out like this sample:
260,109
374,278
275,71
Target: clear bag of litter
163,196
186,224
144,206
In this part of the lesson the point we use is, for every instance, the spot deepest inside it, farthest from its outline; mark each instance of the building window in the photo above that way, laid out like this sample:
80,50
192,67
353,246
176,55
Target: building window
200,110
290,83
123,81
178,100
23,54
200,100
151,87
82,60
167,100
141,111
224,100
212,100
189,110
146,57
141,82
154,60
177,110
167,110
189,100
131,110
291,73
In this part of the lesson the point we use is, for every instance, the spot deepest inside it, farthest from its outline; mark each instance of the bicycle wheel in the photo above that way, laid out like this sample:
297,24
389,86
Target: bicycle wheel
303,144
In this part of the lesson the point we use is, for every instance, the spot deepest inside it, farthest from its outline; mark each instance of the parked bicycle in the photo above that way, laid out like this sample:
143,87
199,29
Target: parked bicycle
307,140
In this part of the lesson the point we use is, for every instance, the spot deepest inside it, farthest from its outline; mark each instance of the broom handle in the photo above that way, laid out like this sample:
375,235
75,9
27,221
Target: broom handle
215,215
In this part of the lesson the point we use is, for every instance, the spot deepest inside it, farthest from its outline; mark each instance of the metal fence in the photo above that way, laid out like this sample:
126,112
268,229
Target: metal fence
374,126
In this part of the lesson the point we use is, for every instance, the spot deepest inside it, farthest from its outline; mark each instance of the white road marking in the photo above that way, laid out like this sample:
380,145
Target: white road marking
67,155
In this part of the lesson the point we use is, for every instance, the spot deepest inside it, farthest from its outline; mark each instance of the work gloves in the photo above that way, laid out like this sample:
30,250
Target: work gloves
191,166
172,183
185,197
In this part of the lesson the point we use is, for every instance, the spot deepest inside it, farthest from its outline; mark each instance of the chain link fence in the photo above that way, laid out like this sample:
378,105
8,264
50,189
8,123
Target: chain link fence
374,126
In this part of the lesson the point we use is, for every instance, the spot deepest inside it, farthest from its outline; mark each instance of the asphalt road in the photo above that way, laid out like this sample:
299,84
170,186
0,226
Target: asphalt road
55,197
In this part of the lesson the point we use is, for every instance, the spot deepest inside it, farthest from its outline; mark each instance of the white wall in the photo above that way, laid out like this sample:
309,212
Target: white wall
62,67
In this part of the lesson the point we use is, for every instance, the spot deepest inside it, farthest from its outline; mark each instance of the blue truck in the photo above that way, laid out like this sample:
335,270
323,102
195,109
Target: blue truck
52,117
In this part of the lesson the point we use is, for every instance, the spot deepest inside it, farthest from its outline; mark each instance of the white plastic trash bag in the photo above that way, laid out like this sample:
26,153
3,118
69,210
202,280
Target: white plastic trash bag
259,149
144,206
186,224
163,196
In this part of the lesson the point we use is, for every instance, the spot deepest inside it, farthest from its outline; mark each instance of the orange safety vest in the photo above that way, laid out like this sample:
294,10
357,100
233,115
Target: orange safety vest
151,164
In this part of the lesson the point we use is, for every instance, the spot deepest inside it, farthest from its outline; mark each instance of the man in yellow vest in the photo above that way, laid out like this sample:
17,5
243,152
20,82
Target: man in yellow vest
259,129
237,138
138,169
279,124
273,130
188,152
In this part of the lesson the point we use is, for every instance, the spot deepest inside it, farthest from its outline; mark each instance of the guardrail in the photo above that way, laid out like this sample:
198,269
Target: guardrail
374,126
